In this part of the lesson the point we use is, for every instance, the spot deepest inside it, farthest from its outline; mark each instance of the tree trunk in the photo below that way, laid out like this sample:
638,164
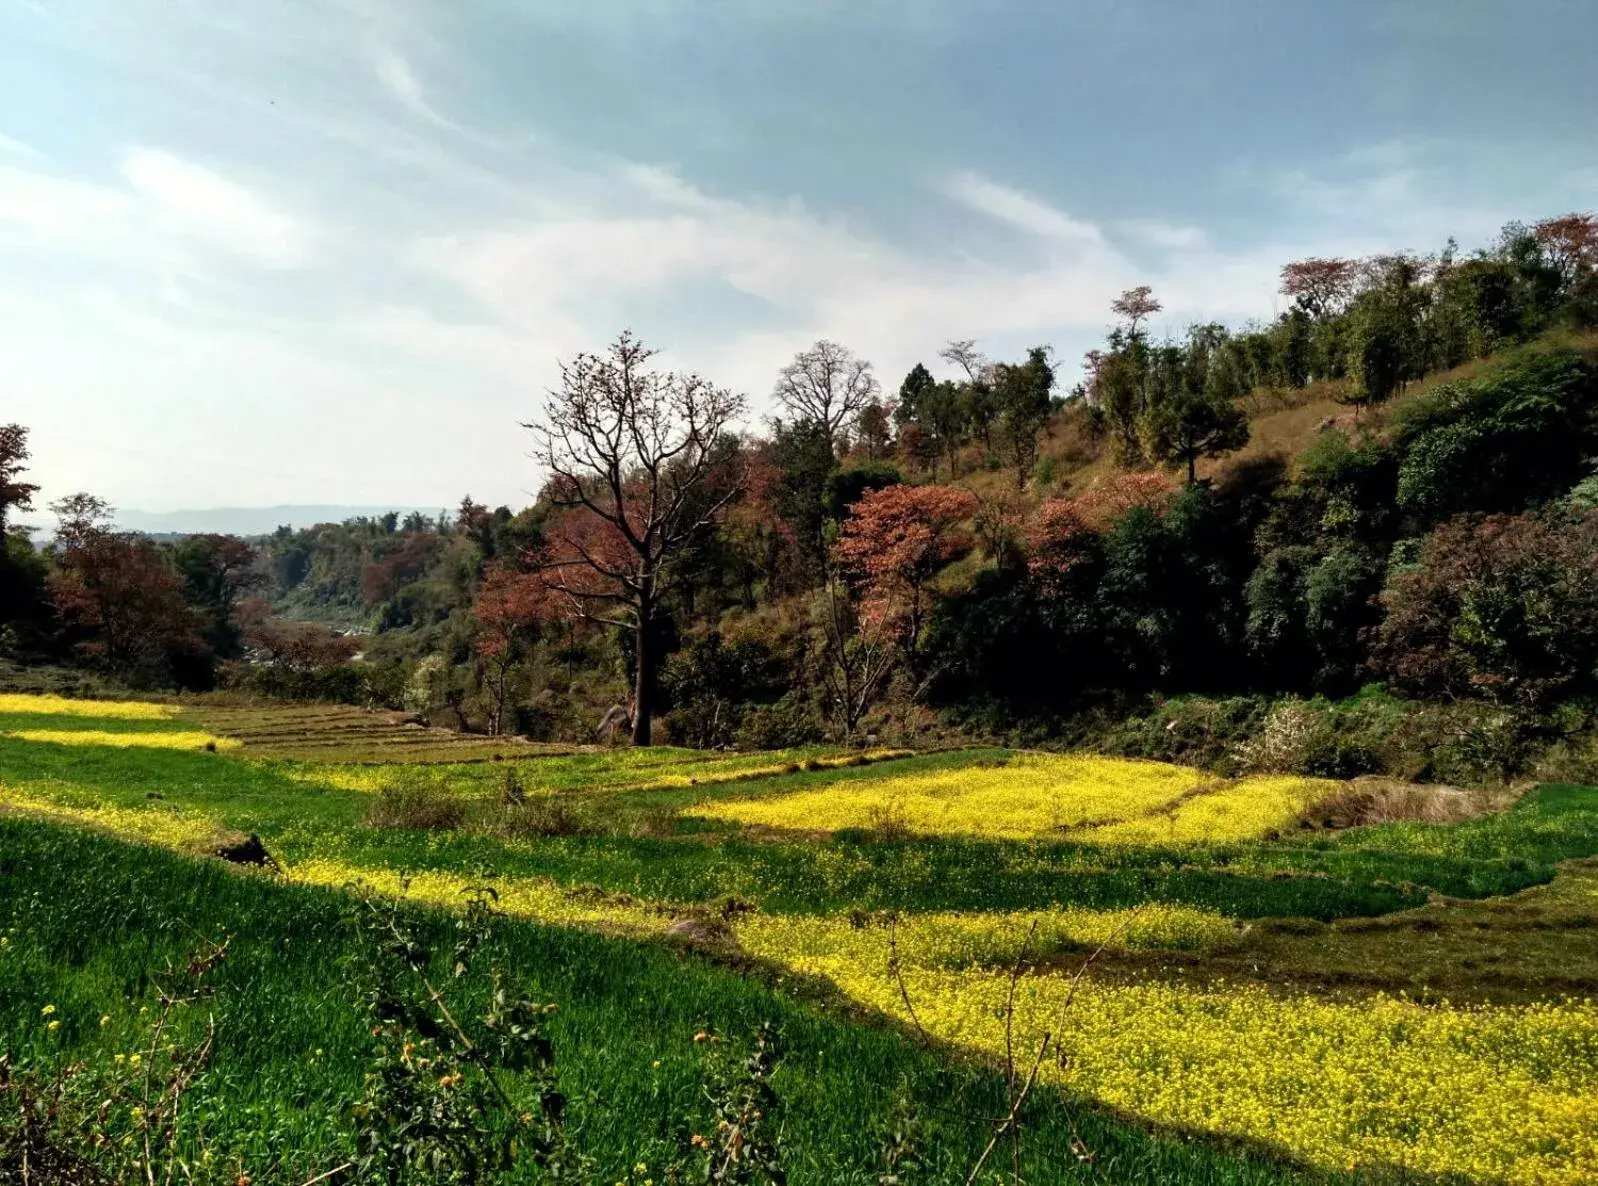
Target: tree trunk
499,700
644,661
1192,468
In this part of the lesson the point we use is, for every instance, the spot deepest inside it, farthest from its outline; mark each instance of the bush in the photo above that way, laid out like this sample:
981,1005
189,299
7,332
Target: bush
784,725
544,814
1374,732
1518,435
1503,606
419,808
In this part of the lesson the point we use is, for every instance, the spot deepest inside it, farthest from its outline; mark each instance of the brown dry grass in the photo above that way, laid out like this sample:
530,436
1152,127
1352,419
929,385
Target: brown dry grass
1374,800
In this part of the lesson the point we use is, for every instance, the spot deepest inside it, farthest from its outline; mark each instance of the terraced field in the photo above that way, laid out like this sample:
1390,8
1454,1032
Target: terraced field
1269,1001
345,734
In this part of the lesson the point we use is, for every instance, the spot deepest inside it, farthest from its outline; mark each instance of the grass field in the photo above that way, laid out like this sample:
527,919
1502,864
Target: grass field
1272,1002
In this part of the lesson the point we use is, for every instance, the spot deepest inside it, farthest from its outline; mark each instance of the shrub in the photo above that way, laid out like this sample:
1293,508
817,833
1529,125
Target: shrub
419,808
1292,729
1517,435
1503,606
788,723
544,814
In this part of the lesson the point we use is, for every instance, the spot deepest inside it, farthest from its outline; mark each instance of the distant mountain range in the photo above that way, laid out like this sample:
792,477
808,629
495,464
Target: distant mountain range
250,520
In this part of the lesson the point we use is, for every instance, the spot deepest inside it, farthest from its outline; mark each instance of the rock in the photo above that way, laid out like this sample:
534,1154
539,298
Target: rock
617,718
242,850
700,932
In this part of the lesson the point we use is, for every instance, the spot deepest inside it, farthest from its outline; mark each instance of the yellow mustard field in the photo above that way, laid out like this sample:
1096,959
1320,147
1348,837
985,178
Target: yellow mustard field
185,739
945,939
118,710
1036,796
1245,810
1490,1094
157,825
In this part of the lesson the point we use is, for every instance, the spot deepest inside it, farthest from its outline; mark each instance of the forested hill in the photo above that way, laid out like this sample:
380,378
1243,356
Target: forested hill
1391,484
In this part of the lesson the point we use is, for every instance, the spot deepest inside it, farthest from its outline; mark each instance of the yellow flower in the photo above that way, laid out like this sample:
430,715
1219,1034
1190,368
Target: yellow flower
53,1026
47,1010
1082,797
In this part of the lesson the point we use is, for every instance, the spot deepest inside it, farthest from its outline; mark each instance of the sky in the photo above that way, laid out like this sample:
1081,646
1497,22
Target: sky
333,251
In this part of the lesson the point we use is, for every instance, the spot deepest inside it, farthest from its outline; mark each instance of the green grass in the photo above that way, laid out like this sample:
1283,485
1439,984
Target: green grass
1372,871
87,917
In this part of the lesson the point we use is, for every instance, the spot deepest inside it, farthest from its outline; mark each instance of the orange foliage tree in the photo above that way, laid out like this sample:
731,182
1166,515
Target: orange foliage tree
1061,533
1571,243
894,541
1321,286
119,594
509,609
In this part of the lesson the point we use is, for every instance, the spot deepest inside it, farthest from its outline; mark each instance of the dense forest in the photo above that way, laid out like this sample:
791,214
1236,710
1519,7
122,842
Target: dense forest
1295,531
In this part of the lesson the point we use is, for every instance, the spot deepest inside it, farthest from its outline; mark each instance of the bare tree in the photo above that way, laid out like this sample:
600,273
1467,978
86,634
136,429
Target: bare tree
964,354
633,457
826,384
858,654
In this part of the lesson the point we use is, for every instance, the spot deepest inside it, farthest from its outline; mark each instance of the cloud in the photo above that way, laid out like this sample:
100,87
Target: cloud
47,206
815,276
1019,210
662,185
394,72
1165,235
189,200
407,284
19,148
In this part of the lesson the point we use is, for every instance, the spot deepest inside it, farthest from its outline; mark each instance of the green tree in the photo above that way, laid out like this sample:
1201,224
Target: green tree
1193,425
1194,412
15,494
217,570
804,459
1021,396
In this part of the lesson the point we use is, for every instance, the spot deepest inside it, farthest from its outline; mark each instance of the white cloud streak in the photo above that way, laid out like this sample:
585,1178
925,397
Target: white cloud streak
1021,211
394,72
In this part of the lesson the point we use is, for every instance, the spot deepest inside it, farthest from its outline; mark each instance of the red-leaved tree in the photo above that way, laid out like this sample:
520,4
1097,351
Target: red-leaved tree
119,595
894,542
1571,243
1503,605
1321,286
510,608
1062,530
1136,305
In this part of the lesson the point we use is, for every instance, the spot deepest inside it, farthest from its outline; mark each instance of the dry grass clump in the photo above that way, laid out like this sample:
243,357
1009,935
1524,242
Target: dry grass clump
416,808
423,808
1386,801
543,813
